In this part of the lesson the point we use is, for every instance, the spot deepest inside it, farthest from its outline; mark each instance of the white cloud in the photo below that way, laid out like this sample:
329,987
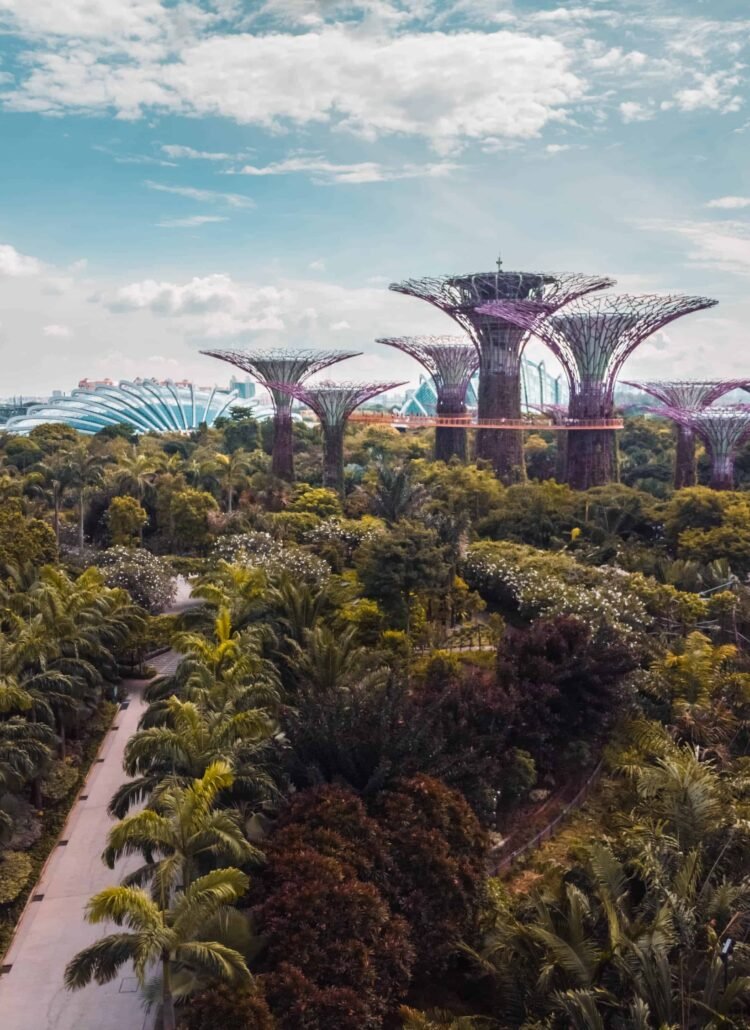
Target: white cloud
13,263
715,91
447,87
318,265
189,223
557,148
61,331
133,159
326,172
729,203
208,196
337,327
176,151
632,111
720,245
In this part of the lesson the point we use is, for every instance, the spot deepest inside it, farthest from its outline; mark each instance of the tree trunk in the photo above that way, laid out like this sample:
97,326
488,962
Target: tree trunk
282,457
450,441
80,520
592,453
56,515
499,397
561,457
167,999
333,458
684,464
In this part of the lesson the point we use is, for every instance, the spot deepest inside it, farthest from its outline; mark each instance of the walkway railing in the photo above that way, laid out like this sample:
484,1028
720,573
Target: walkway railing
470,422
503,863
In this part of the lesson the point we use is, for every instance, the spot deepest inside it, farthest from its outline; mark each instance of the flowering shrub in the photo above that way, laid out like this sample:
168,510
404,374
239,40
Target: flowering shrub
260,550
146,577
228,1007
535,583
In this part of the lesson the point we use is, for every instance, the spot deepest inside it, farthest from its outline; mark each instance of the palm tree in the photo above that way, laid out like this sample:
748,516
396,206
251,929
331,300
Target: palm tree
396,494
241,589
83,470
170,933
230,468
134,474
56,474
189,745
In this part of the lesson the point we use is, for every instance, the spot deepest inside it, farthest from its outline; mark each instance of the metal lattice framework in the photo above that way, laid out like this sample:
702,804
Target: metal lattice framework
275,370
333,403
592,338
723,431
451,361
687,395
499,341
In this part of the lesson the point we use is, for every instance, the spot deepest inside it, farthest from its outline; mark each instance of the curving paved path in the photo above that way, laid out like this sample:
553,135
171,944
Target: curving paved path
52,930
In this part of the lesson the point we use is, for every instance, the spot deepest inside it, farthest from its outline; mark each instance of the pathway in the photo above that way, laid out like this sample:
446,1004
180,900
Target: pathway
52,929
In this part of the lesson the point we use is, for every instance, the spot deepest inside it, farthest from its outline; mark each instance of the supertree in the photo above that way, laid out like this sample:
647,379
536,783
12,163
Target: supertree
333,403
275,369
451,361
723,431
499,342
685,395
591,339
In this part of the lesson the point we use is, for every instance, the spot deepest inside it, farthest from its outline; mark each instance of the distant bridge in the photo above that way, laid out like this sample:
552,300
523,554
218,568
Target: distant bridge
470,422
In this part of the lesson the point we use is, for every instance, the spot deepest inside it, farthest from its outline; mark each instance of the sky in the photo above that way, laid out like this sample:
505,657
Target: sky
181,175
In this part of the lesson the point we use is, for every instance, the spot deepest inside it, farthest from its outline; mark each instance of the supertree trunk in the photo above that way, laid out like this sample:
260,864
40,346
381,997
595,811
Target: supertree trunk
333,458
499,397
722,472
684,463
282,454
450,441
591,453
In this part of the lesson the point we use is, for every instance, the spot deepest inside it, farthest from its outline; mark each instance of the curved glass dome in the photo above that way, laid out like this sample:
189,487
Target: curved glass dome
149,406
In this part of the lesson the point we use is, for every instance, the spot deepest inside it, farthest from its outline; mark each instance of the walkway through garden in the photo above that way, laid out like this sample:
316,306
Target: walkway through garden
52,928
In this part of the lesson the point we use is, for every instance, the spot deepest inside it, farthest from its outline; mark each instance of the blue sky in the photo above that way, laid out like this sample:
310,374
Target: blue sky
176,175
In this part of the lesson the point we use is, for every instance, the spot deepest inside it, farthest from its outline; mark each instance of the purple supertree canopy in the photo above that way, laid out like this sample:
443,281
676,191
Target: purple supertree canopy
460,295
593,336
332,402
450,360
722,429
278,367
686,393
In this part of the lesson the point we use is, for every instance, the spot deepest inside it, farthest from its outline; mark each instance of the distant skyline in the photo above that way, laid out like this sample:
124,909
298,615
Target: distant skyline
189,174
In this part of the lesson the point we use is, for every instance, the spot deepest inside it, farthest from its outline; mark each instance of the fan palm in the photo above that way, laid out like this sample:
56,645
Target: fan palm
396,494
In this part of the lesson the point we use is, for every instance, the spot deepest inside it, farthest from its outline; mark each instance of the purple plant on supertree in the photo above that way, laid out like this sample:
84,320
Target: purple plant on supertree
499,342
284,368
723,431
592,338
687,395
451,362
333,403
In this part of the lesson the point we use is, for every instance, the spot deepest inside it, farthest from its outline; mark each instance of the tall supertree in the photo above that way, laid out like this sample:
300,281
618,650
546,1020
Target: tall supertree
723,431
685,395
274,370
333,403
451,361
591,338
499,342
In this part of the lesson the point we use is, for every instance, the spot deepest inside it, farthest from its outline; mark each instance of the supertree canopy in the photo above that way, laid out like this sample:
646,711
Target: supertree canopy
499,341
451,361
333,403
276,369
723,430
686,395
592,337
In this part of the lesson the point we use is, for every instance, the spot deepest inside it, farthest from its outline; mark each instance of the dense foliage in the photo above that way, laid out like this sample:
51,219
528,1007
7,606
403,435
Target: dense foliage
379,699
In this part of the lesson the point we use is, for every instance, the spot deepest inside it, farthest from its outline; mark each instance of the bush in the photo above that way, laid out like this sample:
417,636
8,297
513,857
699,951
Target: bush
260,550
15,870
227,1007
438,850
58,781
147,578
